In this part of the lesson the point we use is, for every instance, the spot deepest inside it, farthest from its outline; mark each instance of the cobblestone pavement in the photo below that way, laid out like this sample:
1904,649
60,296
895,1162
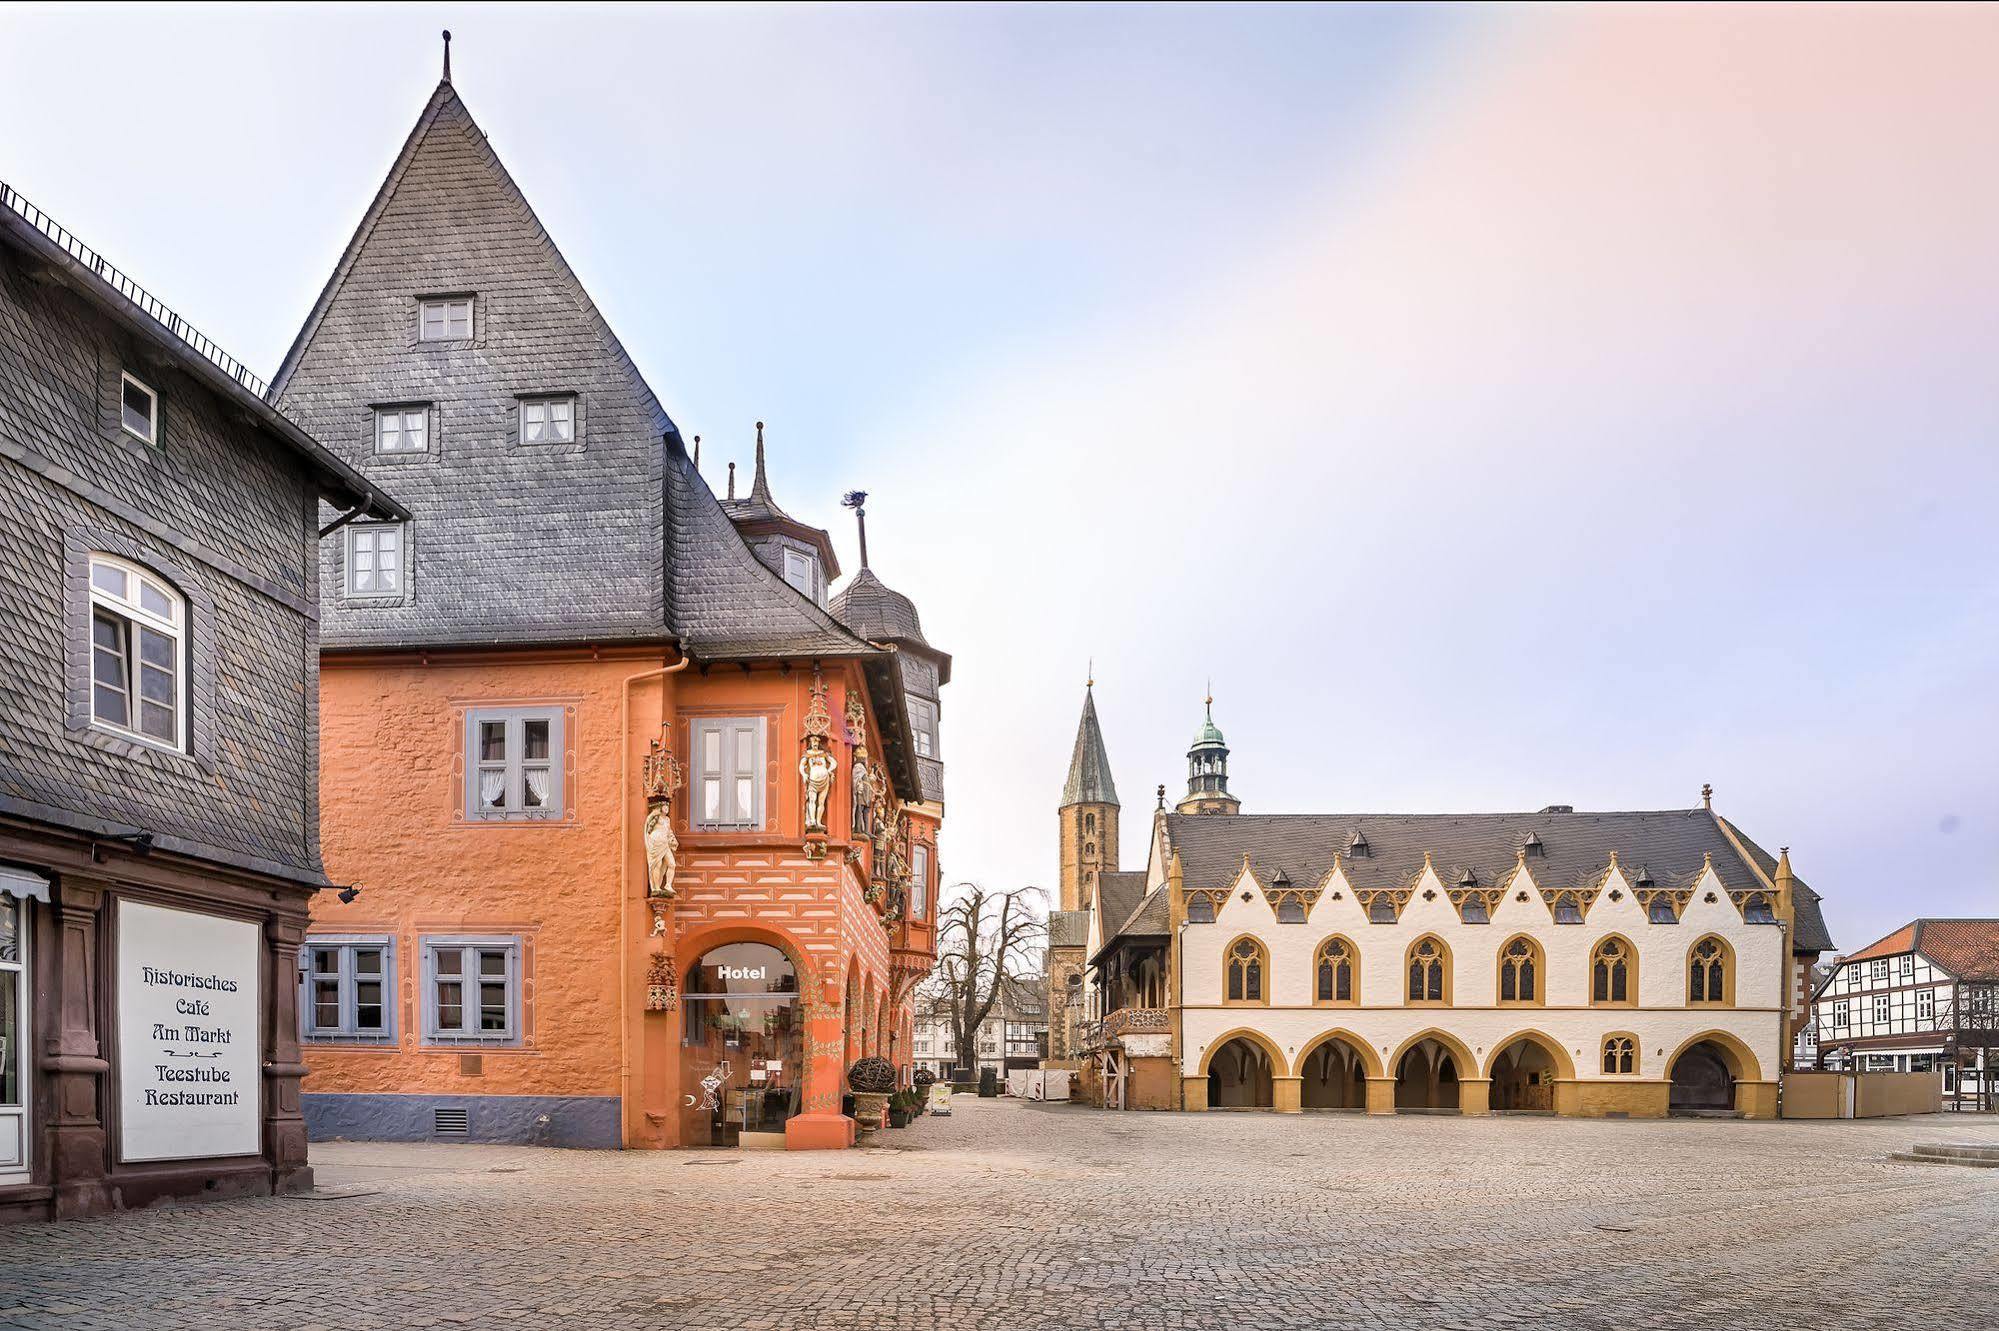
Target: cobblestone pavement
1011,1215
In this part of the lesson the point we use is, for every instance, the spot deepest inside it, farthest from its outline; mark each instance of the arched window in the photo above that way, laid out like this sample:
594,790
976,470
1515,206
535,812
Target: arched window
1756,910
1429,971
1090,822
1248,968
1381,910
1519,971
138,652
1613,971
1620,1055
1568,910
1707,971
1661,910
1336,970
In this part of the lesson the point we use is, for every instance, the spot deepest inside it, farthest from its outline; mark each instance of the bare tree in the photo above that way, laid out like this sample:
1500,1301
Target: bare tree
986,940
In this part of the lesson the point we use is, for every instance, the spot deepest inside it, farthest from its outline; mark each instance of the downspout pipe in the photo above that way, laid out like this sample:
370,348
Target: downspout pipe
625,882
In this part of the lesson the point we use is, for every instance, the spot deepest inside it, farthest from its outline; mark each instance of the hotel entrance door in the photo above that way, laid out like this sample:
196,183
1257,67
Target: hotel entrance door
741,1047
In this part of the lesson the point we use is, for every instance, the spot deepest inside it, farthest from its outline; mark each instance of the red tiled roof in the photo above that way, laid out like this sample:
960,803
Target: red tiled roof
1968,949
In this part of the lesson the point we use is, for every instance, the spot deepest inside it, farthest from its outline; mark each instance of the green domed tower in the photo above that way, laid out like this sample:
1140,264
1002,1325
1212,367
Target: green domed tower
1208,771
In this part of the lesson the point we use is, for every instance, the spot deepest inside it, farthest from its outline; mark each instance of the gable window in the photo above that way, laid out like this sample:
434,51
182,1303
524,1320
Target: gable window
728,772
471,990
1661,911
1473,910
802,572
548,420
1567,909
1200,910
374,558
138,652
402,429
919,880
1908,965
1247,966
1335,971
514,767
1381,910
347,983
138,409
1518,962
1611,968
1756,910
448,319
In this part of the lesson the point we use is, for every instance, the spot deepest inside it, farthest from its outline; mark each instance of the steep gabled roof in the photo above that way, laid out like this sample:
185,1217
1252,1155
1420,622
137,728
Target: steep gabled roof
1810,933
759,515
1089,763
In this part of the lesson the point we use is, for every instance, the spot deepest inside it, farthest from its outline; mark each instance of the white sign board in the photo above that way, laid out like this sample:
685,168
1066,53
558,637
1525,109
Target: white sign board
188,1075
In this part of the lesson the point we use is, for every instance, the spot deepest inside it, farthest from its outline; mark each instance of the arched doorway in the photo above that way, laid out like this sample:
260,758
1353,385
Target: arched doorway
1427,1077
742,1044
1239,1076
1703,1078
1523,1078
1333,1077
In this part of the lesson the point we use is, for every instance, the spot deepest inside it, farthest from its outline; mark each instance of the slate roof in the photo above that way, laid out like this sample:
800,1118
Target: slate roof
873,609
1068,928
758,514
1576,848
1968,949
1810,933
1089,763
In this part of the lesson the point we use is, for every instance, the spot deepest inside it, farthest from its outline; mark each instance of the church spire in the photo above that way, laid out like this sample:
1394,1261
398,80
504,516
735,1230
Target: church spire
1090,764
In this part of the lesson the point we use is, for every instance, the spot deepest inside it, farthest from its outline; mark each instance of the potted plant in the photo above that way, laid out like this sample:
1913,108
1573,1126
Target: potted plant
872,1079
902,1107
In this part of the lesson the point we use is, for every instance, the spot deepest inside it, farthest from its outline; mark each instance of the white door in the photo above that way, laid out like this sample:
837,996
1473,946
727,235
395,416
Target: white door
14,1028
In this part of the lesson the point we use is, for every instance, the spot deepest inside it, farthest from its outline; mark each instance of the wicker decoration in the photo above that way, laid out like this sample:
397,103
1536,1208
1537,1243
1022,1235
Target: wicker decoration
871,1076
924,1077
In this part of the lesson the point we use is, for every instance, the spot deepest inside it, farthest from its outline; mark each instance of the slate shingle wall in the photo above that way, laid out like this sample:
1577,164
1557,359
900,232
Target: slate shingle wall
511,541
218,509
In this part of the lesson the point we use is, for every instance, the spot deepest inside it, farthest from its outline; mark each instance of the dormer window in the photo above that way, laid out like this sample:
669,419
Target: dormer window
801,570
1757,910
1532,845
139,410
1358,846
923,721
445,319
1661,910
1567,909
548,420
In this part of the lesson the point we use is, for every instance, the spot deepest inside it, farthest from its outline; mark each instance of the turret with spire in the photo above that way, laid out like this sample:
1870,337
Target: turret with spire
1089,813
1208,769
798,552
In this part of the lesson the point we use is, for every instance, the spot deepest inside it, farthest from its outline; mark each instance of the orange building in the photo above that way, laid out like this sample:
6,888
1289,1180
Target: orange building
639,822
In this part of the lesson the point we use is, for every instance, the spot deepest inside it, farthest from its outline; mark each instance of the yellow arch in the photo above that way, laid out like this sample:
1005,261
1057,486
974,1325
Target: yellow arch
1746,1067
1369,1060
1452,1045
1564,1066
1278,1068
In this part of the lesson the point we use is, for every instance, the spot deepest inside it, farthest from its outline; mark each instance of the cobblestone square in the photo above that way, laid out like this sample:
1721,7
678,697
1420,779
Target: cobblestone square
1016,1215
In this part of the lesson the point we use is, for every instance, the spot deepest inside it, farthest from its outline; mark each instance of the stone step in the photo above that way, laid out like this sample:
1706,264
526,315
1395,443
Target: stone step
1973,1162
1959,1150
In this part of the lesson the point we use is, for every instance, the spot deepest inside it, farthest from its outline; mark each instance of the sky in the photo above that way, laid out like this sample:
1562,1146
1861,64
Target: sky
1503,407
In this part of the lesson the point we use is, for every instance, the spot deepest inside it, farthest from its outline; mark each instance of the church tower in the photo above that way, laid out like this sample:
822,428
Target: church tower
1208,771
1089,812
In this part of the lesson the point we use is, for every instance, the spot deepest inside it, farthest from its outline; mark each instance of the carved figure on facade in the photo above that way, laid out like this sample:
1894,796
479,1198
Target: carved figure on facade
817,767
661,779
662,985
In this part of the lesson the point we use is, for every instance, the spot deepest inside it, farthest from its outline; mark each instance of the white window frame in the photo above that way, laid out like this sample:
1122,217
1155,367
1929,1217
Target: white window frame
919,880
1883,1012
444,307
1877,969
801,570
923,724
513,766
469,950
393,430
1926,1005
718,786
1908,965
393,568
548,423
133,616
1842,1013
151,435
346,978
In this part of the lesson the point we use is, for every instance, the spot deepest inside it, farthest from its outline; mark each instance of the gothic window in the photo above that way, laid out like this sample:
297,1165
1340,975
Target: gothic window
1335,971
1381,910
1620,1055
1290,910
1707,971
1611,972
1429,971
1519,962
1090,823
1248,965
1567,909
1661,910
1473,910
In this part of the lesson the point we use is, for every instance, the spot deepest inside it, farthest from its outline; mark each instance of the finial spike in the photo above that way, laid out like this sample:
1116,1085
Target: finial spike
697,454
1091,682
447,55
1707,795
732,480
856,499
760,484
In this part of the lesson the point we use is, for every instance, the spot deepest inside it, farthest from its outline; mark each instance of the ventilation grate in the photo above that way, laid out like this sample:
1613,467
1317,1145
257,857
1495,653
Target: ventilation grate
451,1122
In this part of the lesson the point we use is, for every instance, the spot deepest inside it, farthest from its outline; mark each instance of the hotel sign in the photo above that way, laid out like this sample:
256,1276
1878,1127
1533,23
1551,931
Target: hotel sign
188,1047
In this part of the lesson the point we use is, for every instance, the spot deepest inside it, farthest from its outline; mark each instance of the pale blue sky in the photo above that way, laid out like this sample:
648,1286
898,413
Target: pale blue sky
1506,407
